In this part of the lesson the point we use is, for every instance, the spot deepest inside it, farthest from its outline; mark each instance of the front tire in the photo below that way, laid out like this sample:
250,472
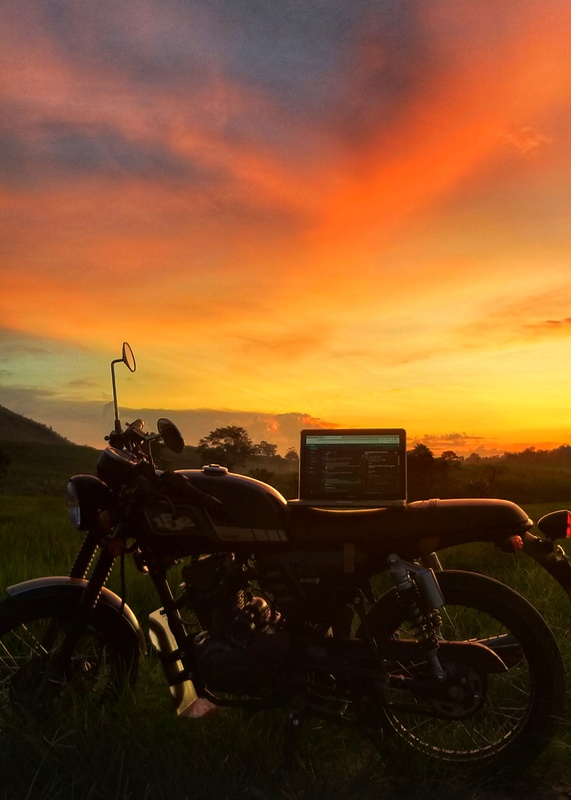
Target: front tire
33,680
514,717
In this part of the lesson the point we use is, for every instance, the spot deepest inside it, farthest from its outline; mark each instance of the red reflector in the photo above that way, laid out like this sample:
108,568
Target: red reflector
568,534
517,542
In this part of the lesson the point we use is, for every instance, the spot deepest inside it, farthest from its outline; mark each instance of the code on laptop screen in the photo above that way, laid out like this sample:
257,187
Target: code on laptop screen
359,465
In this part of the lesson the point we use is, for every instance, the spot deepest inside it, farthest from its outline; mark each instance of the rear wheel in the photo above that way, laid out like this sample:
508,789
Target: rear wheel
34,677
475,717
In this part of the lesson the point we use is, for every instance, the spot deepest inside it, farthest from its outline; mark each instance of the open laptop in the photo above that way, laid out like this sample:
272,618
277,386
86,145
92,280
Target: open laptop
352,468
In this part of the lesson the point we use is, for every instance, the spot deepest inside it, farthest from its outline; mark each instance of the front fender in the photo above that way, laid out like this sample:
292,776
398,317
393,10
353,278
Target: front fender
62,585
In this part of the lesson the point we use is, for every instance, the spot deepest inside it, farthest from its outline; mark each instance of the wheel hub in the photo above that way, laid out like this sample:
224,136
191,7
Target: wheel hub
458,696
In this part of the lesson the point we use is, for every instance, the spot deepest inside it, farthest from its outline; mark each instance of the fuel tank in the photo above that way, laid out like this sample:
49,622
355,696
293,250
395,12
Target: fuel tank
250,511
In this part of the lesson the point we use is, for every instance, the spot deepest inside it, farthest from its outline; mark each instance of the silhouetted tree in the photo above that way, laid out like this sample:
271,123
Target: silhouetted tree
265,449
421,472
449,457
447,462
420,458
228,446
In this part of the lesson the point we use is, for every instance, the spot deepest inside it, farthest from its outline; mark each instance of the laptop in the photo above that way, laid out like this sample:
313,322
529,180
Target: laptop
352,468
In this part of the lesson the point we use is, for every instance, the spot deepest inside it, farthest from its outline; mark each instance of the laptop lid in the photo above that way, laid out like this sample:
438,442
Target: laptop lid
353,467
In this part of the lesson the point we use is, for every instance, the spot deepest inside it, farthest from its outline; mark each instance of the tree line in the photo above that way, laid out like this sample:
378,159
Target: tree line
232,446
528,476
532,475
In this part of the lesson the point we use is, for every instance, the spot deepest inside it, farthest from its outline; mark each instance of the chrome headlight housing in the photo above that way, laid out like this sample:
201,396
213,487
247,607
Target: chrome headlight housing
73,504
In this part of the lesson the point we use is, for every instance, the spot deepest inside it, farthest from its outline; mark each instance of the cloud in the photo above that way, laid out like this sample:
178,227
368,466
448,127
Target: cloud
313,124
461,443
75,150
87,422
295,53
21,346
291,343
551,326
14,345
80,384
526,140
519,322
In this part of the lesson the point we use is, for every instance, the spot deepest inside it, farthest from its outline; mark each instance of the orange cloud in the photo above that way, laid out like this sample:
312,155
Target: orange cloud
549,327
457,123
526,140
517,322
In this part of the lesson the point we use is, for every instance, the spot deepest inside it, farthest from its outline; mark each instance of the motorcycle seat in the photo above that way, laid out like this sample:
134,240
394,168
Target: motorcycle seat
455,520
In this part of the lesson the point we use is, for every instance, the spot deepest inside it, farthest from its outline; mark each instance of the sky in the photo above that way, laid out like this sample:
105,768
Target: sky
298,213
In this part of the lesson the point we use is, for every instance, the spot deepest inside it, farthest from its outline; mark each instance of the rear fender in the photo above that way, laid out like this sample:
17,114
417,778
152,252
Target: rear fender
551,557
61,585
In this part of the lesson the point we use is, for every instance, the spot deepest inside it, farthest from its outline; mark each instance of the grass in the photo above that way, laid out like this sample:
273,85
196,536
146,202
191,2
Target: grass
140,749
43,468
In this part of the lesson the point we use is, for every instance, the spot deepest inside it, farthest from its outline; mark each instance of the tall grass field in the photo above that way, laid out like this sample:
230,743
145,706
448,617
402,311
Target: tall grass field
139,749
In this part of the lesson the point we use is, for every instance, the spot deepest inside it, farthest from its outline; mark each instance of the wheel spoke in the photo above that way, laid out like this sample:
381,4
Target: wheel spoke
29,671
472,715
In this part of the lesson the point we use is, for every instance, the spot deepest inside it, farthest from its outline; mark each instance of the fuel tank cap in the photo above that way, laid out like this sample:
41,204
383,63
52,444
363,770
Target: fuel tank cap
214,469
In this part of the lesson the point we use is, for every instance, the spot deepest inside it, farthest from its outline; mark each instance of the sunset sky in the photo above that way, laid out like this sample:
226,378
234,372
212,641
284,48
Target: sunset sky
341,212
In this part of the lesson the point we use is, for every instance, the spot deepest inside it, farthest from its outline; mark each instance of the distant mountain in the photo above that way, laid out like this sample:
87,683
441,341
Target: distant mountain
16,428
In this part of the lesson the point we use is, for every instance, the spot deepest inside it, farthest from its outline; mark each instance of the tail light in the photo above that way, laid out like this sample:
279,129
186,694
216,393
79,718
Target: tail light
556,525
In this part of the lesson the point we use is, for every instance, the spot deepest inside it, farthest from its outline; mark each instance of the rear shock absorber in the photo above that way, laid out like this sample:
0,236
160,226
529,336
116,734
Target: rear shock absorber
420,594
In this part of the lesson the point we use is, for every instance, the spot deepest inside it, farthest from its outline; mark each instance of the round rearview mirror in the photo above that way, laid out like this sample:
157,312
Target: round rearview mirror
171,435
128,357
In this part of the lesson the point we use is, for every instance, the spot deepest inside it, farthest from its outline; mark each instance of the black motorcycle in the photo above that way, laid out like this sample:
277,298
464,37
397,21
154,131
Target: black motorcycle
279,607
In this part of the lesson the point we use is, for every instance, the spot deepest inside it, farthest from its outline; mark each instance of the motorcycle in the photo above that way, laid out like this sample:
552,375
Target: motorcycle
278,608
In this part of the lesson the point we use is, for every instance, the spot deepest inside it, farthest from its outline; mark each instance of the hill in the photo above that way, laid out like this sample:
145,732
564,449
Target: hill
16,428
43,468
37,460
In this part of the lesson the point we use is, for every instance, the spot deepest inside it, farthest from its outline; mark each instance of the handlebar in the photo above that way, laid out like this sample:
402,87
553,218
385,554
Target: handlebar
133,434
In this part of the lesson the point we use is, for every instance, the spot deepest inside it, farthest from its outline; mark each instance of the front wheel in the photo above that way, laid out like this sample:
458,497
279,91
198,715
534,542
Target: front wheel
477,717
33,676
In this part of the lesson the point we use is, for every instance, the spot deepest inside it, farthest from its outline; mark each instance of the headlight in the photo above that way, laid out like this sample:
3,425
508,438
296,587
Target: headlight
86,497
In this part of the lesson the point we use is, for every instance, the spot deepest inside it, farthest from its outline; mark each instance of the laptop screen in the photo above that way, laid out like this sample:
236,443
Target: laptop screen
353,467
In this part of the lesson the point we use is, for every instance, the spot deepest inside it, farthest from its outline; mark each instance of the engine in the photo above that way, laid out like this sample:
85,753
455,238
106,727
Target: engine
243,646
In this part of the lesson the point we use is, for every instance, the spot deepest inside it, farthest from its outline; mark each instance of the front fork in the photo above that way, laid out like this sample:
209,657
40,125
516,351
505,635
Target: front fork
63,658
421,597
84,556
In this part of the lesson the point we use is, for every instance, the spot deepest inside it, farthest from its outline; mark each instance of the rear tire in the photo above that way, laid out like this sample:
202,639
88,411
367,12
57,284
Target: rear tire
515,717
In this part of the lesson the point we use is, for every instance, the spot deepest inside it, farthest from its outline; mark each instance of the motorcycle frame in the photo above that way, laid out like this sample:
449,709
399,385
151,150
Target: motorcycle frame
177,662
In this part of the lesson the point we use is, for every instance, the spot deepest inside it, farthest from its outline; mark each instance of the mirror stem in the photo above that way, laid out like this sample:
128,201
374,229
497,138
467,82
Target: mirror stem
117,420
